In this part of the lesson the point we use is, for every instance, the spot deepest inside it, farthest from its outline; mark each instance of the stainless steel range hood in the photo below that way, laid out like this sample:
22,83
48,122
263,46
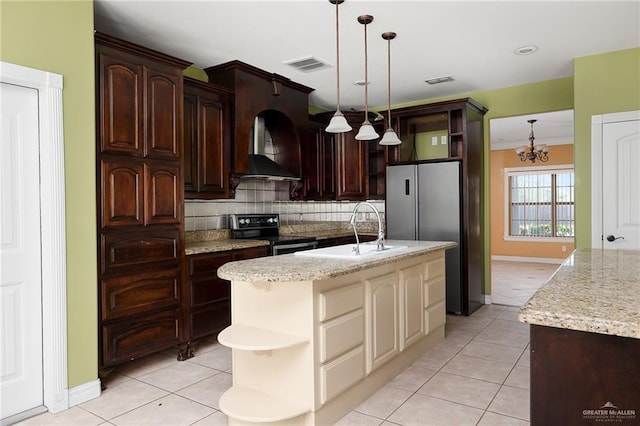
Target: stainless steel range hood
260,165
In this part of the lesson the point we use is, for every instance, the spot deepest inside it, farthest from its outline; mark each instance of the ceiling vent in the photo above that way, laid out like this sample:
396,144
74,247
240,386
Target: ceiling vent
308,64
439,80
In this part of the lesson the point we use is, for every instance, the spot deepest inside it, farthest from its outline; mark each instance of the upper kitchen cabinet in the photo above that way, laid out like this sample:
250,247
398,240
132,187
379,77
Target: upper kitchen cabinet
319,162
356,166
140,221
207,139
439,131
269,101
140,100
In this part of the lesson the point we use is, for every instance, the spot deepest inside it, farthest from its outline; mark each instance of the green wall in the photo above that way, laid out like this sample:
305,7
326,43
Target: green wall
57,36
603,84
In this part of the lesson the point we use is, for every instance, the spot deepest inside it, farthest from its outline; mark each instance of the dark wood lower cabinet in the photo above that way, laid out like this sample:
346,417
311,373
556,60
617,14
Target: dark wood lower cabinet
209,302
580,378
139,336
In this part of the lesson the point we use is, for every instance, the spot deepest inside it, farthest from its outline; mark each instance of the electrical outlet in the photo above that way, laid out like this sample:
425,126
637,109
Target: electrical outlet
434,141
443,140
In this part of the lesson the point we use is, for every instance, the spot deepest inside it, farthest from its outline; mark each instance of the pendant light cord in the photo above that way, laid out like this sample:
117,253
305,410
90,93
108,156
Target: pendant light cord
389,81
366,78
337,58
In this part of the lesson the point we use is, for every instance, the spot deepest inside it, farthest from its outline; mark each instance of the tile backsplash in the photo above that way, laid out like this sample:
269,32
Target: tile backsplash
262,196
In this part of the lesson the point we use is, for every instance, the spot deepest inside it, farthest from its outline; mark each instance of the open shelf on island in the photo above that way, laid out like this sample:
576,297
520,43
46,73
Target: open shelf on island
248,338
250,405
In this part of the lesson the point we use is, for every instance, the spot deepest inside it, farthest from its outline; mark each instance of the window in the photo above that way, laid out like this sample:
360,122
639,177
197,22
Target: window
540,203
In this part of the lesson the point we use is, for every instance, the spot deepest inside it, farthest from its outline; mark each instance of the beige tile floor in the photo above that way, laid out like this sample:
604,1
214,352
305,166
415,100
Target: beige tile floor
513,283
479,375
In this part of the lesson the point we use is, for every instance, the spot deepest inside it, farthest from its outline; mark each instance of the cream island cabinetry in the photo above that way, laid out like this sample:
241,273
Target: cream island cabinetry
312,337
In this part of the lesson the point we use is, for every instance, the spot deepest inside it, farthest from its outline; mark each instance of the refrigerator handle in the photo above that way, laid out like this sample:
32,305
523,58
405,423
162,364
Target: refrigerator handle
406,187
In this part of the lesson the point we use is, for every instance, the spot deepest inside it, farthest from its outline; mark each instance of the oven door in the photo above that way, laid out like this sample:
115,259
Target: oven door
286,248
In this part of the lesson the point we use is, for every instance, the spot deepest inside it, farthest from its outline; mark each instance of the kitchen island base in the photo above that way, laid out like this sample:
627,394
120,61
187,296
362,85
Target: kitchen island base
582,378
309,351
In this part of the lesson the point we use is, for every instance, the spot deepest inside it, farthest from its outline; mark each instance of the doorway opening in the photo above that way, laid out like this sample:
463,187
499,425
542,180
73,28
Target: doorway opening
531,203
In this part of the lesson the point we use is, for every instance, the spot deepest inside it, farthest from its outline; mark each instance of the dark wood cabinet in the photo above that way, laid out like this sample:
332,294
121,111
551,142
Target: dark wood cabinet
209,308
207,139
351,166
445,132
140,200
336,166
319,163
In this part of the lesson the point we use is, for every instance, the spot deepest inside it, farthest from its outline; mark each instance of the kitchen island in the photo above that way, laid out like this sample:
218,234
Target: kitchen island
585,341
314,337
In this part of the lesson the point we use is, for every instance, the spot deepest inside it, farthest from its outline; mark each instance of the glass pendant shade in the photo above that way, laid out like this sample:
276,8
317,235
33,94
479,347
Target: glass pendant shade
367,132
338,124
390,138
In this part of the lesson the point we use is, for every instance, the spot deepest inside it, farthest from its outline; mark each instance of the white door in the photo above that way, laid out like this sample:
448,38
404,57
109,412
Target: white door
619,208
21,371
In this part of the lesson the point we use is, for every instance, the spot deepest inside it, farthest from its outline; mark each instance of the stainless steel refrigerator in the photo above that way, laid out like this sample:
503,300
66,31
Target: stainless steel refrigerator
423,203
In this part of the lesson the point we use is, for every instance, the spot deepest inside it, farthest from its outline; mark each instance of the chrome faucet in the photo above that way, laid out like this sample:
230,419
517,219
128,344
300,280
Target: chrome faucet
352,222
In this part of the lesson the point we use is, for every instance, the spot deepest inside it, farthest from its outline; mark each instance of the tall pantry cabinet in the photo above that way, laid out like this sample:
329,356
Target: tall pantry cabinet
140,200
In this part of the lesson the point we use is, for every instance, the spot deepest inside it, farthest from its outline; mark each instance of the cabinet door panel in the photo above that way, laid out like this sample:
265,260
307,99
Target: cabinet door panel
412,307
139,336
135,249
209,289
122,194
163,194
211,139
190,140
214,318
163,115
312,162
383,341
121,111
130,295
328,167
352,171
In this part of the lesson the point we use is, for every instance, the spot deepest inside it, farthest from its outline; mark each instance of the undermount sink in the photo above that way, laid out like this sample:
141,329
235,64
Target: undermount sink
345,251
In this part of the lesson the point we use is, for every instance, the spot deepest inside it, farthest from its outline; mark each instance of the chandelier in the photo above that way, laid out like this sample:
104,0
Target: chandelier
533,152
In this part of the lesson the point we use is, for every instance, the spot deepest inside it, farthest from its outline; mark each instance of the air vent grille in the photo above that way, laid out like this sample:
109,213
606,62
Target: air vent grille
308,64
439,80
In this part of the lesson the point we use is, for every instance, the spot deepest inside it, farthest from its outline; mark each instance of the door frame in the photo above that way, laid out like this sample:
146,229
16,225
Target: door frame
597,123
52,219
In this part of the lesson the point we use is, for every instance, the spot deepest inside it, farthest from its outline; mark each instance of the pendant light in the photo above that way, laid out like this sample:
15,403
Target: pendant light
338,123
366,130
389,137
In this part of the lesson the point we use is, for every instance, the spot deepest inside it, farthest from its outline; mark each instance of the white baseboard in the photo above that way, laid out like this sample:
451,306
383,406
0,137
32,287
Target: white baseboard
84,393
486,299
528,259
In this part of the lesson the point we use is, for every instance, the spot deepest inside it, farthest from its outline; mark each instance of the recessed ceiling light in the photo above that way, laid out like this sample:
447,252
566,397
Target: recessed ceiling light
439,80
525,50
360,83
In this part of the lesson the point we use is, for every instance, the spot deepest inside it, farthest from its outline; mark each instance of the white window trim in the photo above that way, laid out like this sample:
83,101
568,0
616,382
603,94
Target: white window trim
511,171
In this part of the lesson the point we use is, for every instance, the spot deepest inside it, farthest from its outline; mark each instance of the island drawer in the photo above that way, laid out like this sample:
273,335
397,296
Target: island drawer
334,303
340,374
341,334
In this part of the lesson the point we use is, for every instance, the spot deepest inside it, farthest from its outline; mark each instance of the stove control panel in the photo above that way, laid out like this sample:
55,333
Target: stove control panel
255,221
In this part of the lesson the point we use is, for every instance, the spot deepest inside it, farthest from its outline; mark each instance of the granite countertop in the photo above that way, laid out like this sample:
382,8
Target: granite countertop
290,267
198,242
596,291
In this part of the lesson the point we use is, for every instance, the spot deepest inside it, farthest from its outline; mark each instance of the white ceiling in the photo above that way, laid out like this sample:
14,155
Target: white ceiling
473,41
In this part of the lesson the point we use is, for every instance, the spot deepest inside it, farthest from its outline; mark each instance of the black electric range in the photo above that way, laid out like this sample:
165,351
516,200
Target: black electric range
266,226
